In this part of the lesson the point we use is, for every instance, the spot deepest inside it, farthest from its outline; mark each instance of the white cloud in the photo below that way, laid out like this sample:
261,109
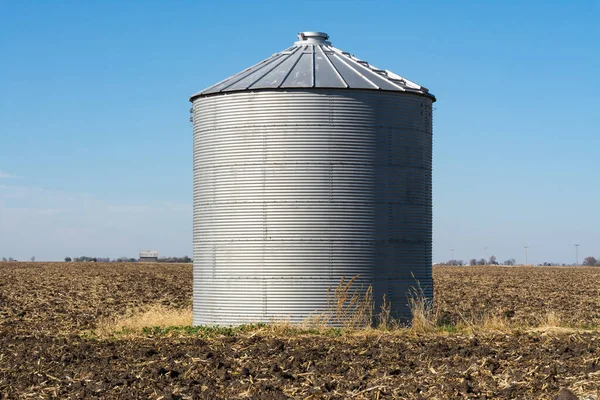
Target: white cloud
54,224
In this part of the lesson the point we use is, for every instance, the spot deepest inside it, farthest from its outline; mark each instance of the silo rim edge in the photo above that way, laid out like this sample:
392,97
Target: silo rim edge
312,90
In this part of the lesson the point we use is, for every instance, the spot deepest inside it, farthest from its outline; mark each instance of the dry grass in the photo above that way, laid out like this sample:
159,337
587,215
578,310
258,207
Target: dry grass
154,316
552,323
424,315
355,312
486,322
351,307
553,320
384,321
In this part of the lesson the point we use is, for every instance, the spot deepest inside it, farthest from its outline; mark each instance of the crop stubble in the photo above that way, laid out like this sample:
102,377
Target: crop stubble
45,308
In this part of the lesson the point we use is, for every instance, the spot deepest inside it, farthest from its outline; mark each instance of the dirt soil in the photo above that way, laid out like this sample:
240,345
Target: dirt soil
523,294
46,310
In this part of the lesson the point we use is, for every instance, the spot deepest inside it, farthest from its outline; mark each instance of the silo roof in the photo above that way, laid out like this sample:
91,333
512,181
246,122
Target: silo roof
312,62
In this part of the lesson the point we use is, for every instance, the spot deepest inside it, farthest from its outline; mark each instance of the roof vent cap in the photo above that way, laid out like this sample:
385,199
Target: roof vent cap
305,38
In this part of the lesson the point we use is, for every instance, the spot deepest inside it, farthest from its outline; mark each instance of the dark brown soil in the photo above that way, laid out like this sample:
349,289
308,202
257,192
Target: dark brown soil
523,366
485,366
522,294
44,308
70,297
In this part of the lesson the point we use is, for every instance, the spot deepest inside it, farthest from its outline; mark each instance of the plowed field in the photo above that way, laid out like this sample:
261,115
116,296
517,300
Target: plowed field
49,310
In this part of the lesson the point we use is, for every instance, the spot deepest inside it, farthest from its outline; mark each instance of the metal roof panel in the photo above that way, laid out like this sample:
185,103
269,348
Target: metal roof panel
301,76
326,76
314,63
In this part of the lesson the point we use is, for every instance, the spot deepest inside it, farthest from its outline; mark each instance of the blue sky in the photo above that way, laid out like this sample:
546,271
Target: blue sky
96,146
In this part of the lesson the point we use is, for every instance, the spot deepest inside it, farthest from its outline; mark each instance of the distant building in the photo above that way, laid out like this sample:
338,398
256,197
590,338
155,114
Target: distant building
148,256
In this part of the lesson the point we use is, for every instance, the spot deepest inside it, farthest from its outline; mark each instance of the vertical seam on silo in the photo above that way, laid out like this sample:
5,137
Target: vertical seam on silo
330,145
314,69
265,227
329,216
214,187
330,202
194,216
389,174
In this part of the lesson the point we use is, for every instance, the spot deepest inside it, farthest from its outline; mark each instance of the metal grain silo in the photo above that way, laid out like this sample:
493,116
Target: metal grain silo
309,166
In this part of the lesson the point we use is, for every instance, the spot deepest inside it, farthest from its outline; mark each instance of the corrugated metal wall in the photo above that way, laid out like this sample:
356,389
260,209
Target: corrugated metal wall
295,189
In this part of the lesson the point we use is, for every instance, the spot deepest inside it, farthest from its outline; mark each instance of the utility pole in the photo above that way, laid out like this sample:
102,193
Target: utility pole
526,247
576,255
485,253
452,252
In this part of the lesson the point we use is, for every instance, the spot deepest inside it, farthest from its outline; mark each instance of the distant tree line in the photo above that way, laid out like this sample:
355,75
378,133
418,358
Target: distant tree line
474,261
184,259
588,261
591,261
100,259
491,261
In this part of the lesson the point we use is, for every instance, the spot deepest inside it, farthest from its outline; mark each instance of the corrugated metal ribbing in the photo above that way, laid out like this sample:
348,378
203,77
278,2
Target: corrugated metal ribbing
295,189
